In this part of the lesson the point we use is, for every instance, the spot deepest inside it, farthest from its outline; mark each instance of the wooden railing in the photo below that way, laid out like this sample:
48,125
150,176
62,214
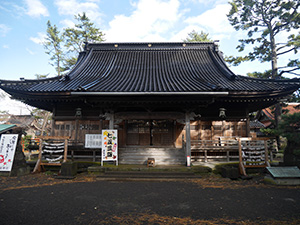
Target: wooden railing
222,149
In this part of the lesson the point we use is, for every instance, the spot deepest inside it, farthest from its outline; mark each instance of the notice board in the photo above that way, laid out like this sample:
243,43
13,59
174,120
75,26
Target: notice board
93,141
109,146
8,144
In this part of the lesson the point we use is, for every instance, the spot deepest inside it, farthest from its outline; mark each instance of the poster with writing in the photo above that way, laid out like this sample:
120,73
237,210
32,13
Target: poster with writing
109,145
8,144
93,141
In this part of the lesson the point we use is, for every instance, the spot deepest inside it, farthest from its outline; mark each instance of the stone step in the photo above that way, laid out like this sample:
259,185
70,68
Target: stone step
157,162
150,174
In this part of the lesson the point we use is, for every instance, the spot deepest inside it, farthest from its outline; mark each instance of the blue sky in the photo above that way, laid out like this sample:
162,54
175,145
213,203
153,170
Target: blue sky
23,26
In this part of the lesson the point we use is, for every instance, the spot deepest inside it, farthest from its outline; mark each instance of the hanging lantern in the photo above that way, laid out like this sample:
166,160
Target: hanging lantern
78,112
222,113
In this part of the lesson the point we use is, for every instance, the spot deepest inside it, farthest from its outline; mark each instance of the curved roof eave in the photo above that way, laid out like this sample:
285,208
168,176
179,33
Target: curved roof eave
151,68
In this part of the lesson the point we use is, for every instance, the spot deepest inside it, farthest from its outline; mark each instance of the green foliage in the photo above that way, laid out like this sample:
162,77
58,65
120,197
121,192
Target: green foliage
265,20
263,75
73,39
289,127
197,37
26,141
41,76
84,32
69,63
53,47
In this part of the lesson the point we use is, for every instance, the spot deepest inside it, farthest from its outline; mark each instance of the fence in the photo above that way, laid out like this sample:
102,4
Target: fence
223,149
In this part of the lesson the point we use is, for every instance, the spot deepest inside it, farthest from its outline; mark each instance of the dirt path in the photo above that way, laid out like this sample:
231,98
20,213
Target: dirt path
39,198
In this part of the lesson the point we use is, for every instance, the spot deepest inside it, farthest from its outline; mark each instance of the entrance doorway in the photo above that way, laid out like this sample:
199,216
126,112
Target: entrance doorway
150,133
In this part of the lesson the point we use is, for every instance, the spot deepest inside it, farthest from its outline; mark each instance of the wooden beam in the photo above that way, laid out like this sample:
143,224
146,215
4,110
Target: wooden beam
54,137
148,115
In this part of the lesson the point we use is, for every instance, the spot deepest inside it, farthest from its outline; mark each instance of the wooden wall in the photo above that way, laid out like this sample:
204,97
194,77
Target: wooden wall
211,130
200,130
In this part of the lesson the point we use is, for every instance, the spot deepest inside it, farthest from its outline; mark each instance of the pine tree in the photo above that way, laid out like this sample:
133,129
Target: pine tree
265,21
196,37
53,47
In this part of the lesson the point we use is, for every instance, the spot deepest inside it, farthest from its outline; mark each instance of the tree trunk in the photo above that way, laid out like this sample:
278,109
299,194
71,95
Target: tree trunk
273,53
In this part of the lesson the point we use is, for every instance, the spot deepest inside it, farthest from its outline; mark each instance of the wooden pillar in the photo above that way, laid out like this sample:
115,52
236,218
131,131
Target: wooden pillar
247,123
111,120
76,129
53,122
187,135
248,126
101,126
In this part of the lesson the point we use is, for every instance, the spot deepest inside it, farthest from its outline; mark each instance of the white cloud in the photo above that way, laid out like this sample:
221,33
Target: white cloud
67,23
215,2
74,7
35,8
6,46
149,21
30,52
39,39
214,21
4,30
182,34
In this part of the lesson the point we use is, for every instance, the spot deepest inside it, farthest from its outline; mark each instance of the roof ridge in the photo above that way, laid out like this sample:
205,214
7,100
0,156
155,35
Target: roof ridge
149,45
268,80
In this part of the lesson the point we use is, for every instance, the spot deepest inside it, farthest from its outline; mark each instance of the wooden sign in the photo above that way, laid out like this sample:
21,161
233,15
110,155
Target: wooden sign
93,141
8,144
109,146
253,152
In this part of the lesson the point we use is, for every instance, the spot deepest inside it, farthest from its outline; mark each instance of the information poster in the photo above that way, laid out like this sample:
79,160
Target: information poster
8,144
110,145
93,141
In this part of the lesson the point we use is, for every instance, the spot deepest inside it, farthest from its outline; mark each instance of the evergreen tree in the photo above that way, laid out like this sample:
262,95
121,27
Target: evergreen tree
265,21
84,32
53,47
75,38
196,37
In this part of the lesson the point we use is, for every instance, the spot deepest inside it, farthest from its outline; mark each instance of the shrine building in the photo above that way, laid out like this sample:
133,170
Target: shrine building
159,96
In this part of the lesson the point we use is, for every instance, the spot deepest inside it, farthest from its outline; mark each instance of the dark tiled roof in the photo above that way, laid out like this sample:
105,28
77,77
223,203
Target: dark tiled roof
155,67
256,124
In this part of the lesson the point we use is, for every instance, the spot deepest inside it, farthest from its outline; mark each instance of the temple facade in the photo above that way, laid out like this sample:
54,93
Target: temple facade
159,96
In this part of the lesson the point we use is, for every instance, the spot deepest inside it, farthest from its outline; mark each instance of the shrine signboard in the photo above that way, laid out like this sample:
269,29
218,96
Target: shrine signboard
93,141
253,152
109,146
8,144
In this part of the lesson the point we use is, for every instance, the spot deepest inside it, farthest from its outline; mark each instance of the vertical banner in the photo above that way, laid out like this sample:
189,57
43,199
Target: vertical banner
8,144
109,146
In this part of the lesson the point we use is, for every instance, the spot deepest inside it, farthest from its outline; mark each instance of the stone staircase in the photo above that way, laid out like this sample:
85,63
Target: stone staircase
162,156
149,175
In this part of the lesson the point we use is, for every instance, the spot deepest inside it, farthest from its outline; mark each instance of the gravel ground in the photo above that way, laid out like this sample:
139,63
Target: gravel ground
42,199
